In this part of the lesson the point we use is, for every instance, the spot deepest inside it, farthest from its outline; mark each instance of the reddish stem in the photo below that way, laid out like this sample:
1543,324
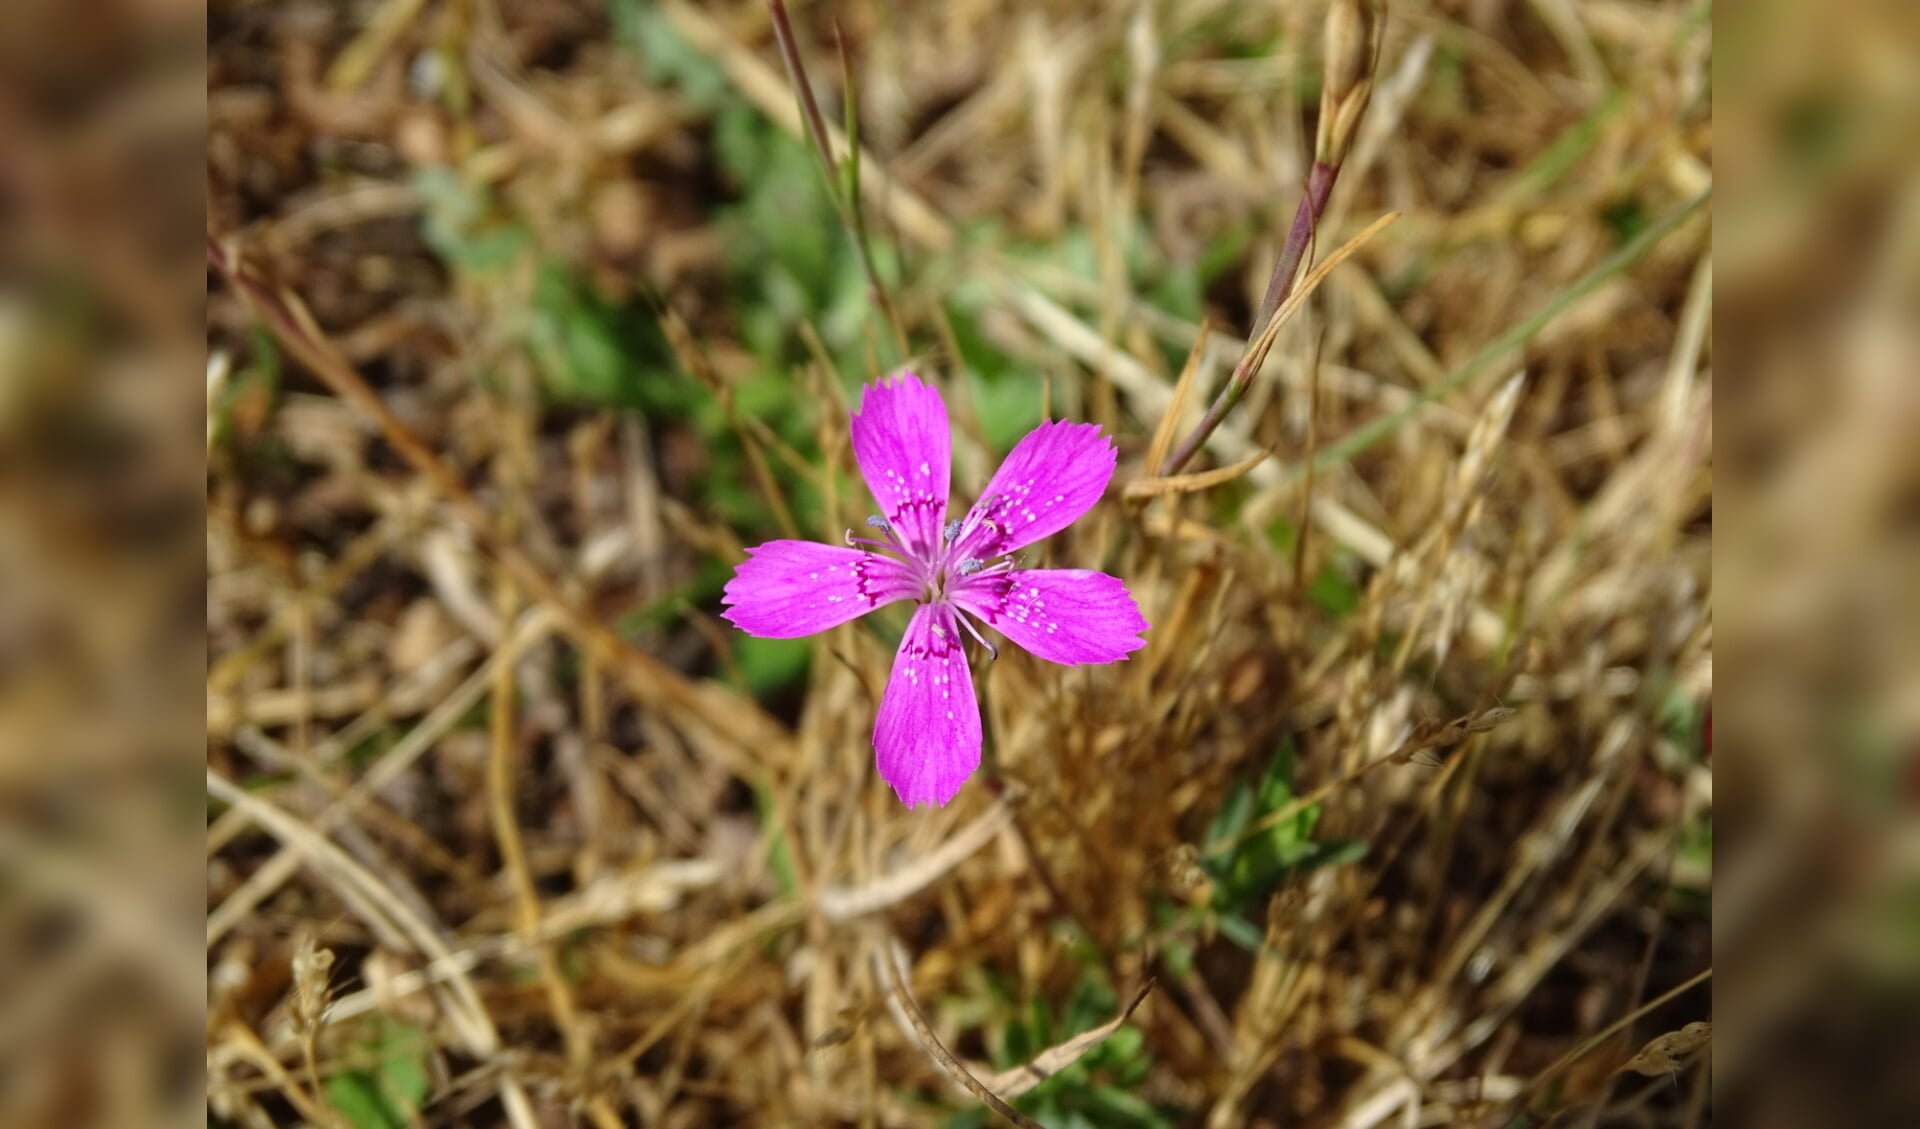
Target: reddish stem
1306,221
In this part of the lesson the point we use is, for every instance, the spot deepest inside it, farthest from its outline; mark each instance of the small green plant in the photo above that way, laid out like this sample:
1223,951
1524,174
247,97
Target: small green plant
1261,837
1102,1088
388,1086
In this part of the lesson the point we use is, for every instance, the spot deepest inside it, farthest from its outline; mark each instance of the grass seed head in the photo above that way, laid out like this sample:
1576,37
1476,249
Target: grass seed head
1350,59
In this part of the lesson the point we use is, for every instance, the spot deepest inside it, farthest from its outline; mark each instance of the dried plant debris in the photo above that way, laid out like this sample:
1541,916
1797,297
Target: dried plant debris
526,323
1671,1052
1430,737
1012,1083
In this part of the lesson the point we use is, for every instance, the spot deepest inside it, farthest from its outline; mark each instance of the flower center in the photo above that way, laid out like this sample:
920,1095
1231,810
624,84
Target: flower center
938,569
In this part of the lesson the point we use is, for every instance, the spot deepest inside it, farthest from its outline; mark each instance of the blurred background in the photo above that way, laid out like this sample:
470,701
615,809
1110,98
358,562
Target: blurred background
102,561
522,318
1818,866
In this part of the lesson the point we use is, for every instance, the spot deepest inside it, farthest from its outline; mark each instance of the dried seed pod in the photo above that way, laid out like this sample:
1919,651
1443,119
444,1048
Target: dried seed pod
1665,1054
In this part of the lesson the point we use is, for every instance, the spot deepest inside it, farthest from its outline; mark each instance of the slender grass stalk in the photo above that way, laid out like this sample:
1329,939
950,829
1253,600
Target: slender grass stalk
843,179
1351,57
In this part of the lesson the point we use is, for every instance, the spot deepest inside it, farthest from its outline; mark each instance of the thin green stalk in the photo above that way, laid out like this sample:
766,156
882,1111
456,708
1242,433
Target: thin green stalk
843,181
1367,434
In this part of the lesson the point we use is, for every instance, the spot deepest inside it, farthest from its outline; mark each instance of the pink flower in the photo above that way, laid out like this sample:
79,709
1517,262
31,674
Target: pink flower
926,739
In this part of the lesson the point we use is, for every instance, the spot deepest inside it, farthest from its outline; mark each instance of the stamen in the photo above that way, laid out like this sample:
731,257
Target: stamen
855,542
974,567
892,544
974,518
992,651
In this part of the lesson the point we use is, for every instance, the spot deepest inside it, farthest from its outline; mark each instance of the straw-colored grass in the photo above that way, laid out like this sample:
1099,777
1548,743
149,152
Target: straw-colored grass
510,828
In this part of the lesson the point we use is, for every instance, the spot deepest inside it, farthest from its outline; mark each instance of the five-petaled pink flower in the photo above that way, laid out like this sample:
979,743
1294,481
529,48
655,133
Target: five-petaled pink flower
926,738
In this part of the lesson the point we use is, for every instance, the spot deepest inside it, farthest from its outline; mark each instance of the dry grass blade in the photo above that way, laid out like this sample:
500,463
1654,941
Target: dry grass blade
687,351
1012,1083
1429,735
843,904
649,679
1366,435
1250,363
887,964
1182,392
460,479
1188,483
1312,282
359,885
391,766
1504,1113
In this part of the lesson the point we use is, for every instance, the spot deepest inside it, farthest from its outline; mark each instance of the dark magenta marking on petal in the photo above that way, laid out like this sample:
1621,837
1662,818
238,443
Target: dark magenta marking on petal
906,516
863,581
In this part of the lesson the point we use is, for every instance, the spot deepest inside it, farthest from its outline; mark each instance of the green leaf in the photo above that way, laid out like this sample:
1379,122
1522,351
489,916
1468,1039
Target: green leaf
1178,290
1124,1044
1333,592
1109,1106
354,1097
1331,852
1232,818
1282,535
1247,870
1223,251
595,352
1627,218
1241,932
389,1093
1040,1027
1179,956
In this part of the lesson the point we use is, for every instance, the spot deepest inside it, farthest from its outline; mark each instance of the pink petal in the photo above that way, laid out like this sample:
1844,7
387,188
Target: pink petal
1048,480
786,589
904,446
926,741
1063,615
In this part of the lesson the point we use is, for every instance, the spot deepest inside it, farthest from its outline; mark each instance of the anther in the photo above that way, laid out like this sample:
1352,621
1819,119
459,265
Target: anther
971,565
880,523
953,528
